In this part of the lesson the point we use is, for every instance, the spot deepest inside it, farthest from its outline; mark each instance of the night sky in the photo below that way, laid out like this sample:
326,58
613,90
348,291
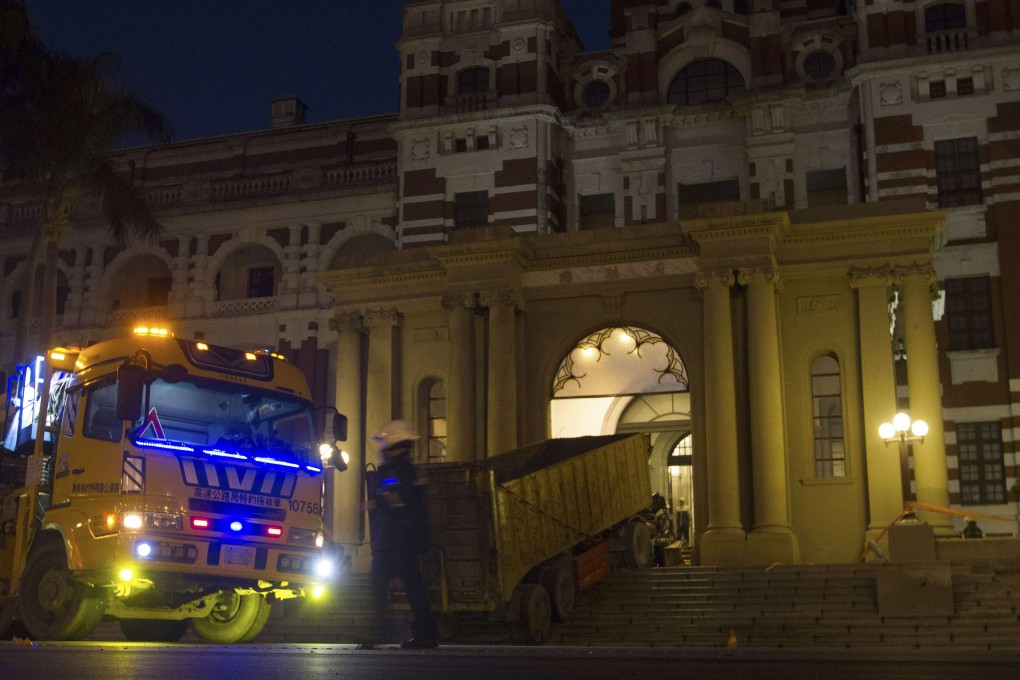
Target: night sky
213,66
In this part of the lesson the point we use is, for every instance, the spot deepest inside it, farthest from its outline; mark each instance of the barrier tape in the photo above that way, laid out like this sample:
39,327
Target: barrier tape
914,505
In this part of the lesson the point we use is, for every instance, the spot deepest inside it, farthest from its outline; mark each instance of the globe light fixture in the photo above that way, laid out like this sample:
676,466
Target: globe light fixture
901,431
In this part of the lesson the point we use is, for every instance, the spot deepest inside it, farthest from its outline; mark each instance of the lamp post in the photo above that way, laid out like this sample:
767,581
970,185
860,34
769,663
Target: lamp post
902,430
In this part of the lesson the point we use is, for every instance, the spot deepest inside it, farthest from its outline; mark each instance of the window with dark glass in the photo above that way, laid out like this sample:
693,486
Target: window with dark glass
158,291
596,211
819,65
260,282
827,403
964,86
471,209
826,187
596,94
945,17
969,313
937,89
473,80
982,473
958,172
690,196
705,81
740,7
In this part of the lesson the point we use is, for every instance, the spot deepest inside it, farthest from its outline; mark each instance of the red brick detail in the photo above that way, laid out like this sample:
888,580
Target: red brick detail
739,34
281,236
521,200
497,52
423,183
895,161
788,193
424,91
517,78
897,130
669,41
428,210
1008,114
11,263
517,172
171,246
445,59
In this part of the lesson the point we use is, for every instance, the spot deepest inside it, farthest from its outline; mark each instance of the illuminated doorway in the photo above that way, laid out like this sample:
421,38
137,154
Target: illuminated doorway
627,379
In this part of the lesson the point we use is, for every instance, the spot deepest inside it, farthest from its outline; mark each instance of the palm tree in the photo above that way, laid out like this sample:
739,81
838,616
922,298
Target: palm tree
62,117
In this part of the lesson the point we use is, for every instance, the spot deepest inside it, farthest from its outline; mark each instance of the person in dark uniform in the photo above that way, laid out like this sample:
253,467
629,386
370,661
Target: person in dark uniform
398,520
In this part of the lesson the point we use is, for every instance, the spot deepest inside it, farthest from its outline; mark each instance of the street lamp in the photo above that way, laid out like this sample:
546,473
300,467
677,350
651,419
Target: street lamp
902,430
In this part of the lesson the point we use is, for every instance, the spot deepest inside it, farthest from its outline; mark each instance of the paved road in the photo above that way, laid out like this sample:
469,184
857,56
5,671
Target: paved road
135,661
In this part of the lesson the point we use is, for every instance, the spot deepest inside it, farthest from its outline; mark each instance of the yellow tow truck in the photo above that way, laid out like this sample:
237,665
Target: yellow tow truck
166,483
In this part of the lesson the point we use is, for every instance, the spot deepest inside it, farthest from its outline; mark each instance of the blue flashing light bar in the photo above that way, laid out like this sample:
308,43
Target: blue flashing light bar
274,461
219,453
148,443
313,468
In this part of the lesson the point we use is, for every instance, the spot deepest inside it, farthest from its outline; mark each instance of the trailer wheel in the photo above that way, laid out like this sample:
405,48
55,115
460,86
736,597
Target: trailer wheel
238,618
153,630
559,583
536,613
53,605
639,551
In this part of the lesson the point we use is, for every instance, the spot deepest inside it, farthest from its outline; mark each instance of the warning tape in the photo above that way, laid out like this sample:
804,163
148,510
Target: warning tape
914,505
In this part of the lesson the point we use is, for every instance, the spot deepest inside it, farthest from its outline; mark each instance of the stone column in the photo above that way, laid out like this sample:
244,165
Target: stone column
501,395
720,410
878,394
930,471
768,441
347,486
380,405
461,411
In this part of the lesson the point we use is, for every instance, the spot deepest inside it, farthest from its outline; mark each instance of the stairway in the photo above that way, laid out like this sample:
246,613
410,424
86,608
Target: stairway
797,606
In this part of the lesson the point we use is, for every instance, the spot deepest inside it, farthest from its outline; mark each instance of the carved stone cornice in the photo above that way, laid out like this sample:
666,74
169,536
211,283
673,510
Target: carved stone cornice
347,321
506,296
722,277
765,275
871,277
913,271
381,318
453,301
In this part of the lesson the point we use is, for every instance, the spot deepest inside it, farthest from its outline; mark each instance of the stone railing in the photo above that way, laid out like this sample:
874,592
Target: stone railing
225,308
357,175
235,190
468,103
948,41
132,315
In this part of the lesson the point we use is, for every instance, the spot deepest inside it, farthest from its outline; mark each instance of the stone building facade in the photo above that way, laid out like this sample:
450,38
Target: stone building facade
753,230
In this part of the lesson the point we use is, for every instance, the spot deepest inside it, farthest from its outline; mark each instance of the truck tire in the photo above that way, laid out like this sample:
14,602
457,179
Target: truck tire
53,605
637,539
7,608
536,613
559,584
238,619
154,630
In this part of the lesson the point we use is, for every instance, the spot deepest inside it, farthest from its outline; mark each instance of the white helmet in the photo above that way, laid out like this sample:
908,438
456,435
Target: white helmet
393,433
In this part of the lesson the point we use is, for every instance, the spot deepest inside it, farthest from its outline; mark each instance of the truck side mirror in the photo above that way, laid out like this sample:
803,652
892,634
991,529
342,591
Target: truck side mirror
130,381
339,427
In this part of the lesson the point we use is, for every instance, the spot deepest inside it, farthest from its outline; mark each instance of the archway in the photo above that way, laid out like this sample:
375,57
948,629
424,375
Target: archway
628,379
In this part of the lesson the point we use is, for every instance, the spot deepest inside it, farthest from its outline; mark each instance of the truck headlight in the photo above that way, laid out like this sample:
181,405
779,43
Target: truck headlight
324,567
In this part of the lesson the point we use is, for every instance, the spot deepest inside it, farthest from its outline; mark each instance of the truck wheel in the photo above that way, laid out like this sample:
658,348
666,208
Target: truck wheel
238,619
54,606
7,607
536,613
559,583
638,542
153,630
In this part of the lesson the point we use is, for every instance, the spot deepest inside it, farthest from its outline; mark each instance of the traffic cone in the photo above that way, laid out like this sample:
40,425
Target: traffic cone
732,642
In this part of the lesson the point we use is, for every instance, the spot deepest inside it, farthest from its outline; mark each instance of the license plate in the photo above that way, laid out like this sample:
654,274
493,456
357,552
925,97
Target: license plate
238,556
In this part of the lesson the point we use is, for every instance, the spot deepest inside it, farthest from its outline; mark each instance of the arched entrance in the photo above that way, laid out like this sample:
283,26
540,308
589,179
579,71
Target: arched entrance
628,379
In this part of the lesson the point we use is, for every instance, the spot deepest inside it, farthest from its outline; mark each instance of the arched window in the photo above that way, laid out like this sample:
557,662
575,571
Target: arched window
596,94
473,80
827,403
708,80
434,398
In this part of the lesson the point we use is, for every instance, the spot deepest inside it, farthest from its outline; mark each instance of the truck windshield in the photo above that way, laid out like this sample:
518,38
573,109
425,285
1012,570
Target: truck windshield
228,418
